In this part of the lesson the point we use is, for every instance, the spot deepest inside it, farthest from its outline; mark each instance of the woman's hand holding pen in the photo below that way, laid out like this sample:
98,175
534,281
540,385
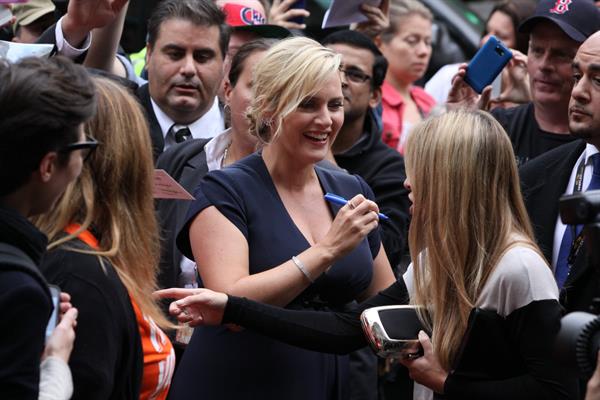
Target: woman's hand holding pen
352,224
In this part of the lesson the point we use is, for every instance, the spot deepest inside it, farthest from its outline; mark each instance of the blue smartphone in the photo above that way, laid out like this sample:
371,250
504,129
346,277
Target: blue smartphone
298,4
487,64
55,294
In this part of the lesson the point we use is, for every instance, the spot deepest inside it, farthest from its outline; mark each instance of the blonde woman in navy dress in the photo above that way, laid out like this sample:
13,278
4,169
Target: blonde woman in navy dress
261,229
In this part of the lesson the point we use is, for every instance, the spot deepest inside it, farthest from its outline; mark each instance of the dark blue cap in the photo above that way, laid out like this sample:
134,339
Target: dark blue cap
579,19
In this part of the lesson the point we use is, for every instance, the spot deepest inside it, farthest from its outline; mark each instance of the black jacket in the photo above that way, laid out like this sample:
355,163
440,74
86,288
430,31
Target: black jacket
186,163
156,134
383,169
544,180
107,357
25,307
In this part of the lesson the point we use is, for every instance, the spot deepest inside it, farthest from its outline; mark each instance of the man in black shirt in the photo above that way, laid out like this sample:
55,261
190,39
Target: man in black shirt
358,147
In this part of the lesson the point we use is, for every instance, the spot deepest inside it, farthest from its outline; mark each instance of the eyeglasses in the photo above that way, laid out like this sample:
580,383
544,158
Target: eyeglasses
87,147
355,75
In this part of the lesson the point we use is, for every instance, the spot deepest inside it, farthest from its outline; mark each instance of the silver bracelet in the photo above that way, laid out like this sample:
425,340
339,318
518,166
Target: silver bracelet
302,268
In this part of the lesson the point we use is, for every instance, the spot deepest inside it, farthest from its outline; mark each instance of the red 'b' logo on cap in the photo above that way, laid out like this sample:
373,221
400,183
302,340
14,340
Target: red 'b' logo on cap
561,6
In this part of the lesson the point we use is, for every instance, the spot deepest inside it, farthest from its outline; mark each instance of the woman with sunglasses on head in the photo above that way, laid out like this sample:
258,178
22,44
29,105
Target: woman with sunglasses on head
104,251
487,293
261,228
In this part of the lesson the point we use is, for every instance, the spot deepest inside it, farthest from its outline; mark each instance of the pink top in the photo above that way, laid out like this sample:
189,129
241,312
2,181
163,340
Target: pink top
393,111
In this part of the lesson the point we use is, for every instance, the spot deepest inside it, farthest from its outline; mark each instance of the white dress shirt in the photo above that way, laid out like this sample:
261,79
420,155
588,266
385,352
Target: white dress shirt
207,126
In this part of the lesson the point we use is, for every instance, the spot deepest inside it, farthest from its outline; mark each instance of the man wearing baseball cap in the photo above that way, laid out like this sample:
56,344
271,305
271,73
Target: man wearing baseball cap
247,19
32,19
556,29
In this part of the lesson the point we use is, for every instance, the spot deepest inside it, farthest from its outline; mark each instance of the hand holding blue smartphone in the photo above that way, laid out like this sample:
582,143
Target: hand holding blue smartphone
487,63
298,4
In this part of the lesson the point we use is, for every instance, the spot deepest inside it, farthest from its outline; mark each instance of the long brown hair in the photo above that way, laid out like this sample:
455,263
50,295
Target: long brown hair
113,195
468,210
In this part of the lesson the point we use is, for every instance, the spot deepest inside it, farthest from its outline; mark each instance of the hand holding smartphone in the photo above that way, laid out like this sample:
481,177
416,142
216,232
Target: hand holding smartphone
55,293
487,64
301,4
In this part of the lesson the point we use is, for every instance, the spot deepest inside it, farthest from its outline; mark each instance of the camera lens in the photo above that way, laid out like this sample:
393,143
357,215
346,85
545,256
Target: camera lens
578,342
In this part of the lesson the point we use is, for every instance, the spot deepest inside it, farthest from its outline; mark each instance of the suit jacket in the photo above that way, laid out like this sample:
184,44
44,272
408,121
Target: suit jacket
186,163
156,134
544,180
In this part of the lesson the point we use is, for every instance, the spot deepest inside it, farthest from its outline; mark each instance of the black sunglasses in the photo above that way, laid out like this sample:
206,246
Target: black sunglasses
87,147
355,75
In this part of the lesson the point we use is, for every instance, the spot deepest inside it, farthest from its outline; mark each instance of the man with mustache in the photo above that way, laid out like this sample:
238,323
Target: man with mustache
571,168
187,43
556,30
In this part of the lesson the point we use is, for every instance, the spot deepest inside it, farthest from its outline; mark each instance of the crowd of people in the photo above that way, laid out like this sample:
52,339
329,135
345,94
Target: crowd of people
447,201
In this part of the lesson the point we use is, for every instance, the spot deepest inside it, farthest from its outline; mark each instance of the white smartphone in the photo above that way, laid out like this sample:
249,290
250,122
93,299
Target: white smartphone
55,293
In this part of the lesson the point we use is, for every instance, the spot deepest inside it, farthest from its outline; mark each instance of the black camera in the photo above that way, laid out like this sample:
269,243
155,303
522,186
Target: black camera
578,341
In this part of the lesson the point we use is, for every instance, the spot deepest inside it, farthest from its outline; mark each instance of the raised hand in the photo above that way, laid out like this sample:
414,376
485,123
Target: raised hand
378,19
462,96
84,15
281,13
515,82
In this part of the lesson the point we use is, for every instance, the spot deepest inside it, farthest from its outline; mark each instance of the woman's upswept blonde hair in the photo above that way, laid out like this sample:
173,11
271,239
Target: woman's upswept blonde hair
113,195
468,210
291,71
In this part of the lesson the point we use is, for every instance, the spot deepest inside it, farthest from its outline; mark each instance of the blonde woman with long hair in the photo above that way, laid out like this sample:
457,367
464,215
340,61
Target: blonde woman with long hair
104,250
487,294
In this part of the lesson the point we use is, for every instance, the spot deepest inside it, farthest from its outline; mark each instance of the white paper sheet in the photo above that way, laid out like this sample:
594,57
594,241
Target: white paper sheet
346,12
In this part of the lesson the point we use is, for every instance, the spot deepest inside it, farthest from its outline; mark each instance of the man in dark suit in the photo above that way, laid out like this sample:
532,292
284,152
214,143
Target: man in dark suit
567,169
187,42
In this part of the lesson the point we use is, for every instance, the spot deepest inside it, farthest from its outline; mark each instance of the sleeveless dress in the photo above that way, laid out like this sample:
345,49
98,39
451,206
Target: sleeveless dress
220,364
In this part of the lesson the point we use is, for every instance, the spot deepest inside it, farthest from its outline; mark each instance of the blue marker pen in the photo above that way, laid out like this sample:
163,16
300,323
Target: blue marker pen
339,200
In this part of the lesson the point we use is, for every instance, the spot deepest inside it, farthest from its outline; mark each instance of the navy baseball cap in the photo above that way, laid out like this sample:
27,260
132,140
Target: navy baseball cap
579,19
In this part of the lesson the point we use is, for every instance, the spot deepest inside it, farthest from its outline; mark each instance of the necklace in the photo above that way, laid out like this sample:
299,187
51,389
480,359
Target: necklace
225,154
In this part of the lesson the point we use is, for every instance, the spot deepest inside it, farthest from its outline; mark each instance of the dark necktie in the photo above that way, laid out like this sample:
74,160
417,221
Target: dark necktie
182,134
562,263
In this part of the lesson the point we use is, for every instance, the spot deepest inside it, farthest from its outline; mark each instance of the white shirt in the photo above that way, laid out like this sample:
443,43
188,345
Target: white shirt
559,230
207,126
215,151
64,47
439,85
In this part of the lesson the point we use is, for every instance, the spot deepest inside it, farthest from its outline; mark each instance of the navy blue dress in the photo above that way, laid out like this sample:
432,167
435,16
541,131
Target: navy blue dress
219,364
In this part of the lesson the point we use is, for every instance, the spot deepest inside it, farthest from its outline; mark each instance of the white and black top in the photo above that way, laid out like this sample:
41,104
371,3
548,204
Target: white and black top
520,293
522,297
